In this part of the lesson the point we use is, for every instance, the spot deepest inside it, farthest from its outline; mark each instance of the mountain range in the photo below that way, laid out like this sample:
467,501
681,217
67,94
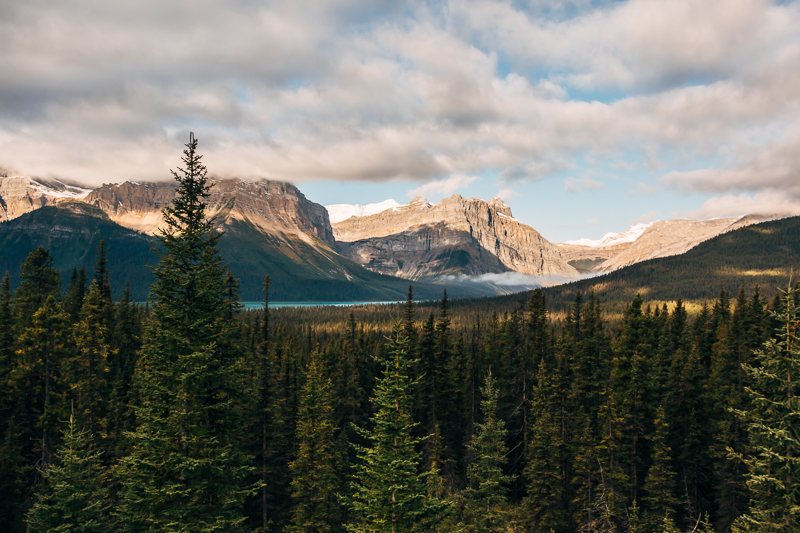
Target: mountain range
471,246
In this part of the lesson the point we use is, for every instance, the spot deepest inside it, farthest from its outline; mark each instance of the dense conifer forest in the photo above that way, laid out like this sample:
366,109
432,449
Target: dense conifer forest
190,414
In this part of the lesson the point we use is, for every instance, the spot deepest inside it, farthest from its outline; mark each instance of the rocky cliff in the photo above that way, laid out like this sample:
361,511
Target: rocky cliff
275,208
21,194
455,236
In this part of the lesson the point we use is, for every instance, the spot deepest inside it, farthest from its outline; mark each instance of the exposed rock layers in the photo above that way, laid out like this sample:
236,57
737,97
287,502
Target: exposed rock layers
455,236
276,208
20,195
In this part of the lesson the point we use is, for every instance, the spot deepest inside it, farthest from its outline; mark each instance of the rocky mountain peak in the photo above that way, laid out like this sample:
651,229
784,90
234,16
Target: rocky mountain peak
274,207
21,194
419,202
500,206
468,234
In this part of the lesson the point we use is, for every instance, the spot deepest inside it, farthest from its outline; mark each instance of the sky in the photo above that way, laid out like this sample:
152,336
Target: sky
584,116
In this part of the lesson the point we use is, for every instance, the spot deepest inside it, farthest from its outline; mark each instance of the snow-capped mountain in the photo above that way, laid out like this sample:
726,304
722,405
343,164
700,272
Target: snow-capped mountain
610,239
339,212
22,194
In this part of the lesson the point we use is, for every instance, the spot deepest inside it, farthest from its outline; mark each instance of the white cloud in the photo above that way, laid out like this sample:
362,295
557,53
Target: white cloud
442,188
776,165
646,218
768,202
581,184
506,194
336,89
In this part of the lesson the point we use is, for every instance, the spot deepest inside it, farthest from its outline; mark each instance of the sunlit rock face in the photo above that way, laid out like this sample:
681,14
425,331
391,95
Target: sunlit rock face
275,208
663,238
456,236
21,194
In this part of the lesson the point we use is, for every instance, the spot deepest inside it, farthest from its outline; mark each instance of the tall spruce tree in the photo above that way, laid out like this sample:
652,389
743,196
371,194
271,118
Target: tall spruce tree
314,480
389,490
185,471
74,497
773,421
484,509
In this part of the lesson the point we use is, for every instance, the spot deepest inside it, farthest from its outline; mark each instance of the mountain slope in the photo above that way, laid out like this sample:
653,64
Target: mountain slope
639,243
762,254
21,194
72,231
457,236
299,271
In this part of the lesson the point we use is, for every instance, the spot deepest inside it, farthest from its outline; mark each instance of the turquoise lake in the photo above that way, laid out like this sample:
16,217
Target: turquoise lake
272,305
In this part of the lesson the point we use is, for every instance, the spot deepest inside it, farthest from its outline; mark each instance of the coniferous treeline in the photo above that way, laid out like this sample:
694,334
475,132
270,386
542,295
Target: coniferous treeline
584,429
192,415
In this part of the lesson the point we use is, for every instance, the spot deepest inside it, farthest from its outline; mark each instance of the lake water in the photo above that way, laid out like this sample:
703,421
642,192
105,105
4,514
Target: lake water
274,305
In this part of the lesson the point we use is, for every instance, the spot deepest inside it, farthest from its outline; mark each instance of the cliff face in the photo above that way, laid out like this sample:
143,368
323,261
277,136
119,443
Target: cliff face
661,239
275,208
455,236
20,195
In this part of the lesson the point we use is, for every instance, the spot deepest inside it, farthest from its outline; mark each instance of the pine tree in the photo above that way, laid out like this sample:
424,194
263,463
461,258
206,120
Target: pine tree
485,498
659,485
38,280
126,341
314,481
11,479
88,369
774,425
389,492
185,471
76,292
543,509
74,497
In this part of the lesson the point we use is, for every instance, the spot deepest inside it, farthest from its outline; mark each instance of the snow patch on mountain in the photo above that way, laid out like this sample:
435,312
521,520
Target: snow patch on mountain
339,212
610,239
58,189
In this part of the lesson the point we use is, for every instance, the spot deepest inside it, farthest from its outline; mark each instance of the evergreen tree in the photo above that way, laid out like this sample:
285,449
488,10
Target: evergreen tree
314,480
76,292
38,280
88,369
389,492
488,485
774,425
11,483
73,498
101,274
185,471
126,341
543,509
659,485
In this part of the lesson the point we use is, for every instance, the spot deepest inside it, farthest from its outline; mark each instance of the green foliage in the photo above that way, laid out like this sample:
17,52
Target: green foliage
774,425
389,492
185,471
314,480
74,498
486,496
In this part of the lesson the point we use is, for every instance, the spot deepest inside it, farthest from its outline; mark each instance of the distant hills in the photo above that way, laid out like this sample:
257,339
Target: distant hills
470,246
763,255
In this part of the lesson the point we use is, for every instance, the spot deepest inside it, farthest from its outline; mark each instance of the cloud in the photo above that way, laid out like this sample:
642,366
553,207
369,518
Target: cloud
506,194
643,188
442,188
592,222
378,91
581,184
768,202
516,280
646,218
774,166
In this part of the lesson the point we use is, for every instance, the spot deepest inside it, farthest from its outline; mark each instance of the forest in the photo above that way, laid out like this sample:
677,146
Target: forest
190,414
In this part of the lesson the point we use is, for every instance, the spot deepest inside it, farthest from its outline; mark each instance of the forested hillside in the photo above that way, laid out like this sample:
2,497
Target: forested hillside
192,415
